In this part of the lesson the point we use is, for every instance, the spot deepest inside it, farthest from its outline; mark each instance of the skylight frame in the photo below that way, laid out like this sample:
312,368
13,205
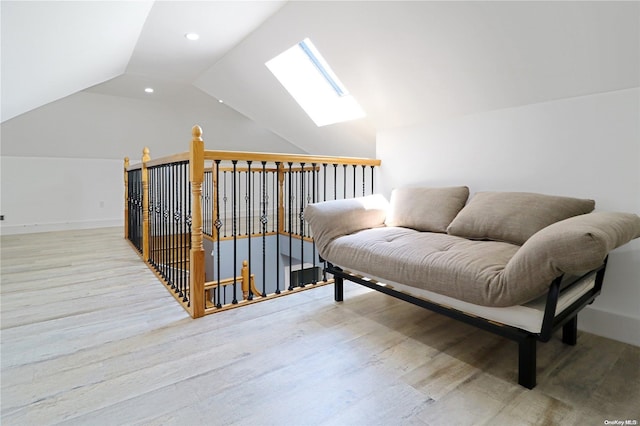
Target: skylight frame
322,66
309,79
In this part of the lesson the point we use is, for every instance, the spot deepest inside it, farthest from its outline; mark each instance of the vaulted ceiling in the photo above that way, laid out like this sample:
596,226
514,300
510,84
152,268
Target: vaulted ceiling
405,62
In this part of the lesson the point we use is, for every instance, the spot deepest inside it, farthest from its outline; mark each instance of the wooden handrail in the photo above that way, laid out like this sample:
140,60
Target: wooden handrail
259,170
261,156
175,158
287,158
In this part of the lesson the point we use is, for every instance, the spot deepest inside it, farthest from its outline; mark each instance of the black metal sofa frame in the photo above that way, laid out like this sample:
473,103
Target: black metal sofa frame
567,319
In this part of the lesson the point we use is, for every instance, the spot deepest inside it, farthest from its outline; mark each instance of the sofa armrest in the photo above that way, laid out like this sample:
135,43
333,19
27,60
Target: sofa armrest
331,219
572,246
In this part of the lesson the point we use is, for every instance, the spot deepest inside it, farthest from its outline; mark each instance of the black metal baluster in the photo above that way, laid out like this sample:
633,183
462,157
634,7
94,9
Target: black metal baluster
301,214
344,181
253,197
175,177
274,198
175,216
135,215
276,185
246,200
313,199
159,216
139,216
364,168
205,203
218,225
132,209
249,214
165,220
224,198
167,247
187,246
264,220
335,181
153,195
150,172
182,233
290,216
372,178
324,182
294,191
354,181
235,232
174,222
129,207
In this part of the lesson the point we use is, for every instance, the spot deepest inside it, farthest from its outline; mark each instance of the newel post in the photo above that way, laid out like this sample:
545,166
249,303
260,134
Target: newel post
196,264
145,204
126,197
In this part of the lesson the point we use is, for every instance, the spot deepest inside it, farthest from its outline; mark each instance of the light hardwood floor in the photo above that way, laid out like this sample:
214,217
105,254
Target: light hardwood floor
89,337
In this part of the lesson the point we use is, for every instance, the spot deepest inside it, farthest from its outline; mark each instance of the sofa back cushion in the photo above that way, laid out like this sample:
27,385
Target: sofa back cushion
426,209
513,217
333,219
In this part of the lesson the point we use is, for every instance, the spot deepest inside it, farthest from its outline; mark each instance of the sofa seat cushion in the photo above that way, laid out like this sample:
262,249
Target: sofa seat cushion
464,269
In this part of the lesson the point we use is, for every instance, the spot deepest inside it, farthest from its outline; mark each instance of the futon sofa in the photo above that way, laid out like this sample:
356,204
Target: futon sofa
517,264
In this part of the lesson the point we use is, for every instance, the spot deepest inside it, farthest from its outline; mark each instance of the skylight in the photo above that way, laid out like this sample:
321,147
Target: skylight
309,79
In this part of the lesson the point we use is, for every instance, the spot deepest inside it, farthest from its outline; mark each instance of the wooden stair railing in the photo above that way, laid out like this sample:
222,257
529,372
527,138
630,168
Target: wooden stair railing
164,218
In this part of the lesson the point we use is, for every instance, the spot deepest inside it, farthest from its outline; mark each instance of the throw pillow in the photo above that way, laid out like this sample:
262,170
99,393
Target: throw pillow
513,217
426,209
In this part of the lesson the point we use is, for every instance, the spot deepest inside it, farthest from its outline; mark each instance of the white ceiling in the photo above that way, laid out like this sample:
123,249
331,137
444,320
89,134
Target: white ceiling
405,62
421,62
51,49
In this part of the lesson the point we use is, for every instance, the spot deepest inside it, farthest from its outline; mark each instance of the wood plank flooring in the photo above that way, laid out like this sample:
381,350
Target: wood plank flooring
90,337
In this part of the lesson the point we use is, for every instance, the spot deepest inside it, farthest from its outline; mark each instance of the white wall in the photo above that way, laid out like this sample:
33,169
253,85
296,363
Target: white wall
48,194
62,163
585,147
92,125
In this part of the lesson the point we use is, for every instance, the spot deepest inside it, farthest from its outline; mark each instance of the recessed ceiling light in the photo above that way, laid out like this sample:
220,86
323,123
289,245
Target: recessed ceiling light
220,100
192,36
149,90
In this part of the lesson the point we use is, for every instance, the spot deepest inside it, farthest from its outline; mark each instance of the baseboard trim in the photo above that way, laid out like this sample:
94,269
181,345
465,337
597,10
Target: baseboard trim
63,226
610,324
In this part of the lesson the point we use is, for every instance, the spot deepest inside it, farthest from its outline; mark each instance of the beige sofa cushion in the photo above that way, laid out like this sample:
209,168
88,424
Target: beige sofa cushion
573,246
426,209
488,273
332,219
513,217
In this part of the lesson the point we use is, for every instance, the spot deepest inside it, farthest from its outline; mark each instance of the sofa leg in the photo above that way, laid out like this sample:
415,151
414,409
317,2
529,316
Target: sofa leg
338,289
570,331
527,362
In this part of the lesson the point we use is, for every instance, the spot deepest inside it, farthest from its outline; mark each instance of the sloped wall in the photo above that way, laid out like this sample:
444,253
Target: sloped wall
62,163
